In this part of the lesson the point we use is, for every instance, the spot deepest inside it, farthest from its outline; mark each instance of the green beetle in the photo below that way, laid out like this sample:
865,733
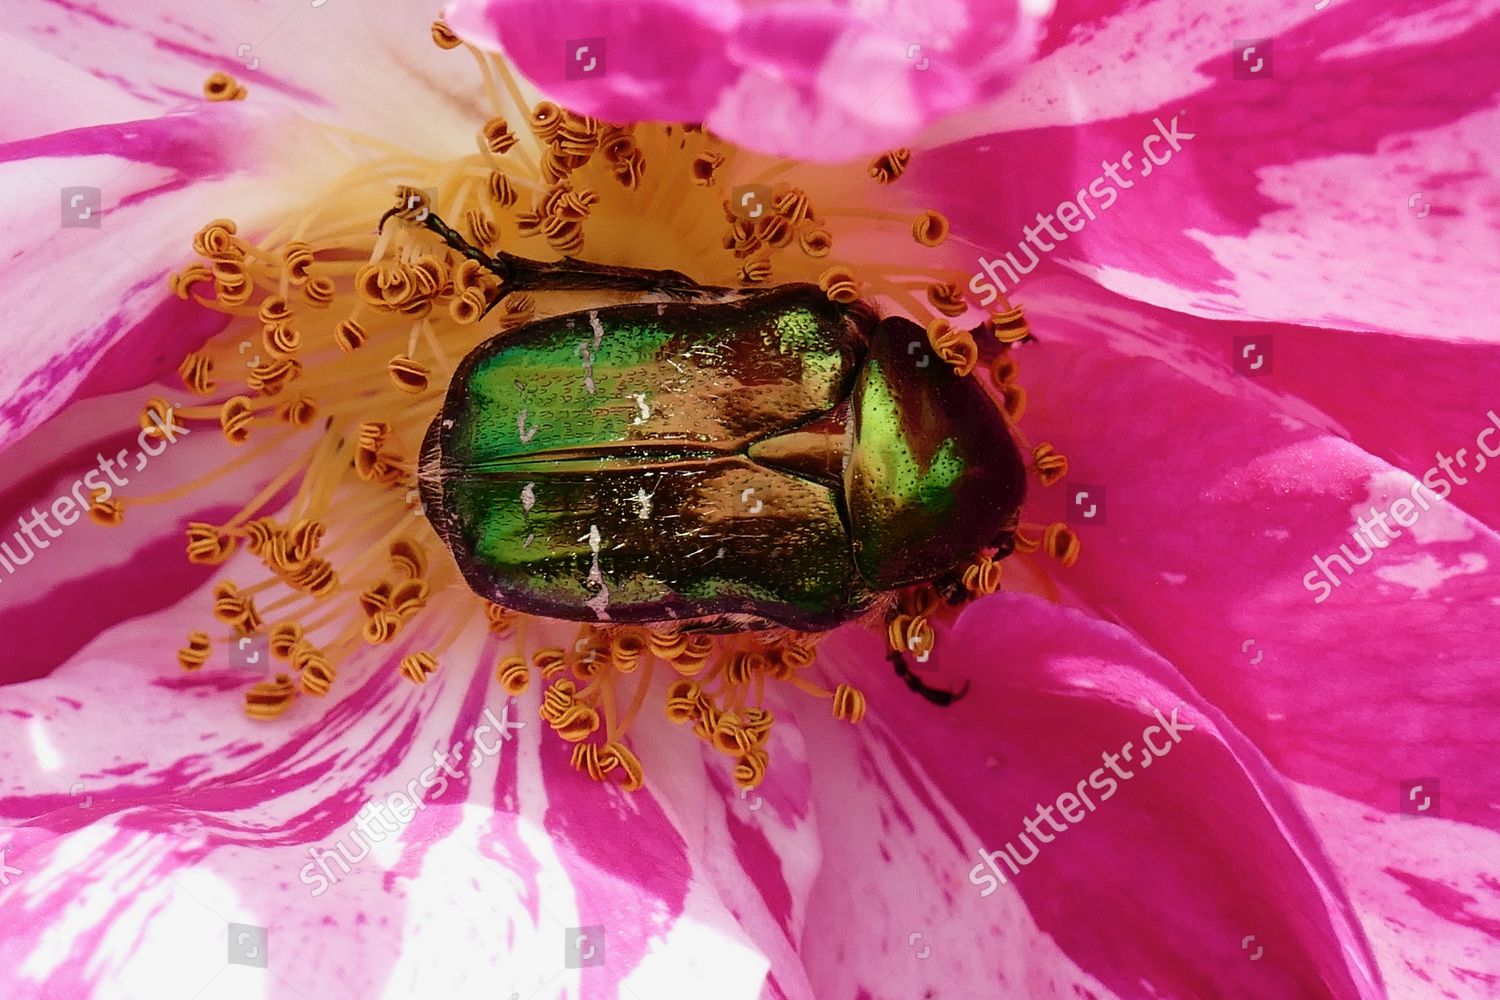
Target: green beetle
716,458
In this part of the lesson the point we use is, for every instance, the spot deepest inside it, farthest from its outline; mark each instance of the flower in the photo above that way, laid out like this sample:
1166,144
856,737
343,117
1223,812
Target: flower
1281,828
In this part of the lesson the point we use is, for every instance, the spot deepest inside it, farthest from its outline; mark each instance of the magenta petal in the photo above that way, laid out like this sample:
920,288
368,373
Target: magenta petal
1353,188
1226,497
1191,851
74,291
818,81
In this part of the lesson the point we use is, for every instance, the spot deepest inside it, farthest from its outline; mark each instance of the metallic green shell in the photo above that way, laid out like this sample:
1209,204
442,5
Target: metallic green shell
756,460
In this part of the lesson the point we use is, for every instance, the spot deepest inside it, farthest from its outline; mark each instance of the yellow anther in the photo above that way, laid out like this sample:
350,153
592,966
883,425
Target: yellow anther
296,262
1049,464
181,282
268,699
407,557
982,576
195,653
223,87
549,662
317,676
956,347
839,284
271,375
705,167
233,608
793,206
848,703
502,620
557,699
682,701
197,374
417,667
502,191
890,165
382,627
482,230
443,36
207,544
234,418
730,737
106,512
280,340
407,375
217,240
1009,326
284,639
930,228
667,641
1061,543
750,770
947,299
756,272
497,136
589,758
319,291
815,242
626,648
911,634
408,597
299,412
350,335
629,766
576,722
513,674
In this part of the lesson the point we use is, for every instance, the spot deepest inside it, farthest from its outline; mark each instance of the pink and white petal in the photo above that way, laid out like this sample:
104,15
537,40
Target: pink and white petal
1221,495
1192,855
150,814
811,80
370,66
1311,196
74,291
59,592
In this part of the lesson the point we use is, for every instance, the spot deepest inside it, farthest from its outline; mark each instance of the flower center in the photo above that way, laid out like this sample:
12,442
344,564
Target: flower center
342,343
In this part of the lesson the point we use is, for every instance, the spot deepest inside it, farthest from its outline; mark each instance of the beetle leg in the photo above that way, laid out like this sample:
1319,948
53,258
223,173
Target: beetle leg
522,274
937,696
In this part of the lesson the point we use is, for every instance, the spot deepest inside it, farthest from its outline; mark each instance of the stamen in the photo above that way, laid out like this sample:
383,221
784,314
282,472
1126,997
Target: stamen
223,87
890,166
930,228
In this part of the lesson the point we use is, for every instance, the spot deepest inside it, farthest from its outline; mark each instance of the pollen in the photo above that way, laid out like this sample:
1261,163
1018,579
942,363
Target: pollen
343,336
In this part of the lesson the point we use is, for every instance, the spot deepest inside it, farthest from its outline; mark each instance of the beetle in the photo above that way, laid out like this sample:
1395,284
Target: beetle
716,458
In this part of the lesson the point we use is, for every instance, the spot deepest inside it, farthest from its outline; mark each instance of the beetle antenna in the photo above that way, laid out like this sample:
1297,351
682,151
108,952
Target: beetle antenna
937,696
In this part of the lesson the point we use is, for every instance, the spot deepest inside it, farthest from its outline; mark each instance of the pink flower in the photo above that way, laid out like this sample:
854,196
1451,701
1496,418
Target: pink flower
1275,338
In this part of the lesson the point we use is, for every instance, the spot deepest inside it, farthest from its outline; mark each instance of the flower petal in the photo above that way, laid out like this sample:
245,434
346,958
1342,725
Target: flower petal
1224,496
371,66
1289,197
815,81
1192,844
97,217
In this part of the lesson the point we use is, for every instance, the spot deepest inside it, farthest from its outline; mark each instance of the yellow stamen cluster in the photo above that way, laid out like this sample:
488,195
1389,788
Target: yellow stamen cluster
340,346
